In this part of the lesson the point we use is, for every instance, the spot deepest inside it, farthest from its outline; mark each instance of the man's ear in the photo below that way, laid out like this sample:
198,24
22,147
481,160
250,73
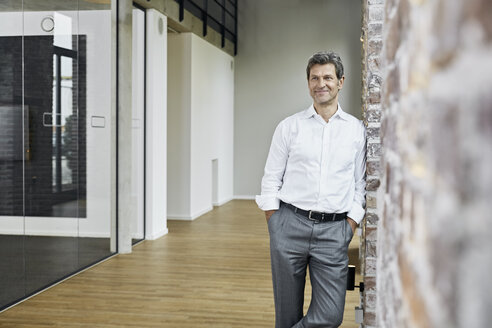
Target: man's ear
340,82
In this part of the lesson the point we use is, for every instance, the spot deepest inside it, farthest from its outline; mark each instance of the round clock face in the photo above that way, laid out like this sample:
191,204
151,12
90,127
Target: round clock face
48,24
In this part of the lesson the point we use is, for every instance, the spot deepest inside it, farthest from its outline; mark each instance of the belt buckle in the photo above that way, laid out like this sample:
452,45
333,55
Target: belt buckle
309,216
313,219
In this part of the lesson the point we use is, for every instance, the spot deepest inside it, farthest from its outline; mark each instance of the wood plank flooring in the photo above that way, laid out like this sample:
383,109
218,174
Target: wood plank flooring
212,272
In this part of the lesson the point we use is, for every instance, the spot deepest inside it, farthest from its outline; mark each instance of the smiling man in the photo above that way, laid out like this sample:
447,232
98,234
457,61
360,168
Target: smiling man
313,195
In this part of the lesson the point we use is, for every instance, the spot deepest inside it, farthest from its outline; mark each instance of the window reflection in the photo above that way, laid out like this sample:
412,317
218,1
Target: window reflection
64,127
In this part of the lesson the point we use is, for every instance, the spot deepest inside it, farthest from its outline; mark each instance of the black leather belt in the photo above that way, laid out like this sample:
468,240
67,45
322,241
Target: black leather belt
318,216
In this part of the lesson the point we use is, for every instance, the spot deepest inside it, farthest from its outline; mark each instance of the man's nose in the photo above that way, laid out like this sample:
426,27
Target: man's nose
321,82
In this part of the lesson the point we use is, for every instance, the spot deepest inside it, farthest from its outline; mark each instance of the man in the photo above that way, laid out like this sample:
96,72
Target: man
313,197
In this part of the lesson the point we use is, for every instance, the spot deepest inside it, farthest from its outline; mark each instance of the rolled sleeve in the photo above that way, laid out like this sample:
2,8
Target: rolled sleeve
356,213
274,170
266,202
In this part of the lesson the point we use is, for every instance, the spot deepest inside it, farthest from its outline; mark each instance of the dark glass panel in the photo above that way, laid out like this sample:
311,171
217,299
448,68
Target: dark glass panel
43,144
51,169
12,119
54,174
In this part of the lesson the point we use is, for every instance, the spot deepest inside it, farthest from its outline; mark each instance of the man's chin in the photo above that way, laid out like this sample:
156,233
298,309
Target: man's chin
324,102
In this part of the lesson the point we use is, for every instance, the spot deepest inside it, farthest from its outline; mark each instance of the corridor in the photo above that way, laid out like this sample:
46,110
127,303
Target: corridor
211,272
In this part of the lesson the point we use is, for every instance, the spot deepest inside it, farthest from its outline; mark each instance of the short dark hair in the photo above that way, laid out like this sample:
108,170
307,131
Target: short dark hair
326,57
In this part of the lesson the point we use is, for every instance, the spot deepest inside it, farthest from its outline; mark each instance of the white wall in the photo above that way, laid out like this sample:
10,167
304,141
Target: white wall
179,124
96,25
276,38
201,103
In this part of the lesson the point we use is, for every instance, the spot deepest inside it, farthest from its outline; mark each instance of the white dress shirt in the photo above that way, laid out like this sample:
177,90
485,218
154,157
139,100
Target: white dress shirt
317,165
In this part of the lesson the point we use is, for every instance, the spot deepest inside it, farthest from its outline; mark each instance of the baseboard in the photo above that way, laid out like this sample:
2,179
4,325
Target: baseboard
157,235
189,218
179,218
223,201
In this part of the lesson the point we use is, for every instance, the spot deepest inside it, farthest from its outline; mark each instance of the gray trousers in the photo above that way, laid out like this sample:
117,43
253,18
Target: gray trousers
297,243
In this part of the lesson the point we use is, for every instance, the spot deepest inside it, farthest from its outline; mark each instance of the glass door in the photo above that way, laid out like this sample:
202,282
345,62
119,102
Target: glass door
51,171
13,119
56,171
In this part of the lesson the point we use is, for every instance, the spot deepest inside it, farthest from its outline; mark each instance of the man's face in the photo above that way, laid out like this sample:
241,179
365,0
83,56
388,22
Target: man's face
323,84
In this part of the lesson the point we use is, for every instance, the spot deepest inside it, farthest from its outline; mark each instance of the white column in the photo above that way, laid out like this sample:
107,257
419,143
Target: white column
125,205
156,126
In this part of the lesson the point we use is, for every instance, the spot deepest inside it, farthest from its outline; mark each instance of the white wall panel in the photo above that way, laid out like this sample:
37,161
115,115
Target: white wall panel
206,96
179,124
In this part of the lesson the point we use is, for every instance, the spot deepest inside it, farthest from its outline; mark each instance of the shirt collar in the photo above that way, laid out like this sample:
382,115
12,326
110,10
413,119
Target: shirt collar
310,112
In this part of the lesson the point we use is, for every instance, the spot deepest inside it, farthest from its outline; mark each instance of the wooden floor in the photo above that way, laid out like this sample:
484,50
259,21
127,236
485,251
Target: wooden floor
212,272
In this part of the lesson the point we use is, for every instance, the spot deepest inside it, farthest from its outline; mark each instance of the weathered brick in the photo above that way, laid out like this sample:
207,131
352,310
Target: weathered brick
375,97
374,48
371,233
375,30
436,161
370,266
373,167
372,184
371,202
372,89
369,318
370,300
373,150
372,218
374,83
376,13
373,133
370,284
374,63
373,115
371,248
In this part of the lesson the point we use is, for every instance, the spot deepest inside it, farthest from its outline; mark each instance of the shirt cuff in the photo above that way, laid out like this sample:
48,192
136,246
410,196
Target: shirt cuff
267,203
356,213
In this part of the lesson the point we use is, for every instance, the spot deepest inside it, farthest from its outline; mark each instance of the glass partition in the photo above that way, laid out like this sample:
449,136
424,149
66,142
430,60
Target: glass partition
12,135
55,145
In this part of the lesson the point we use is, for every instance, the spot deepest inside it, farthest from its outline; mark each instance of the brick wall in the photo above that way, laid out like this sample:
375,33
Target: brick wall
372,23
434,204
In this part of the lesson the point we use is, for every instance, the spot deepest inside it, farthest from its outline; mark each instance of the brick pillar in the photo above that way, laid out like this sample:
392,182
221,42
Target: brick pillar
434,204
372,23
